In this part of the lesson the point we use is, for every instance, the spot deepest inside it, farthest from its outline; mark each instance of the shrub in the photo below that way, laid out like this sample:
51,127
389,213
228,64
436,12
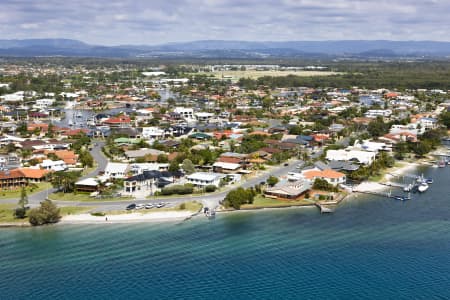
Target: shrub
210,188
20,212
98,214
183,206
177,190
47,213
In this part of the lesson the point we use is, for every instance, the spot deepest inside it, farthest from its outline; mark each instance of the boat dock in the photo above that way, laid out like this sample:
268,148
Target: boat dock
386,195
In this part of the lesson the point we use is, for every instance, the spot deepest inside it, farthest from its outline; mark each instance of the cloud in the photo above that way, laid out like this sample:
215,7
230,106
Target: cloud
113,22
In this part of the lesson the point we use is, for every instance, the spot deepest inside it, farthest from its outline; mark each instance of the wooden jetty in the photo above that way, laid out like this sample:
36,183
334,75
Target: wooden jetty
327,206
386,195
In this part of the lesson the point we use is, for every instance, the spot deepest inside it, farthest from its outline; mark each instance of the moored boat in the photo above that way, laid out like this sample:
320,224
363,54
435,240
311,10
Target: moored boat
423,187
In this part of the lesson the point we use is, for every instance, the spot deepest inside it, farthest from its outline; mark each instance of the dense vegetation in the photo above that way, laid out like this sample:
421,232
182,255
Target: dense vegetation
47,213
239,196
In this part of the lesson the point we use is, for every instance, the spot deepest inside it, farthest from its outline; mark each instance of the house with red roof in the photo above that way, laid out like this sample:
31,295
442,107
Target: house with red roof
331,176
120,121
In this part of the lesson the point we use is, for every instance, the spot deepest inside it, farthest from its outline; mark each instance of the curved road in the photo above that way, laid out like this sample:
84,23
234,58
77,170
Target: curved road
99,158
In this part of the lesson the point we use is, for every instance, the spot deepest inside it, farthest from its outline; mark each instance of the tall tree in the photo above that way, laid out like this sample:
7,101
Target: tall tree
188,167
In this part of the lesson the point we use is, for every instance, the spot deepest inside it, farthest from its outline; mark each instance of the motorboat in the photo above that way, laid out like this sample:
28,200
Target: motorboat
408,188
429,180
423,187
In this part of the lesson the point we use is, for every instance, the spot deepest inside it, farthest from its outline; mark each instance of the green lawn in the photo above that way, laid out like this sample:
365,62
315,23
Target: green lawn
82,197
262,202
73,210
89,170
5,194
6,212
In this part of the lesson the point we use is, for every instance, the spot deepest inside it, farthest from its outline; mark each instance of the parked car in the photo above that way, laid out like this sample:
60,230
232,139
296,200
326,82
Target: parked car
148,206
131,206
140,206
159,205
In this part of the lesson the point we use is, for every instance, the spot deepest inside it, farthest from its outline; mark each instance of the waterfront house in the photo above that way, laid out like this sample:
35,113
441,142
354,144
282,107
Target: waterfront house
331,176
202,179
289,191
361,157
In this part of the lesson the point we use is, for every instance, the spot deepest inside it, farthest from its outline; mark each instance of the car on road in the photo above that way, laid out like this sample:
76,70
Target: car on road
131,206
140,206
148,206
159,205
286,164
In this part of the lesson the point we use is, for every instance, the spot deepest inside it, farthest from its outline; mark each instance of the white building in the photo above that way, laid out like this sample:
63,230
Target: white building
204,116
53,165
362,157
428,123
43,103
202,179
153,73
116,170
16,97
139,168
186,113
153,133
373,113
367,145
413,128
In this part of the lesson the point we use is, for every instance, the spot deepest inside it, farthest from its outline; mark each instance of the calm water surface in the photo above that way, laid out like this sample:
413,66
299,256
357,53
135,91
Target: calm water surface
370,248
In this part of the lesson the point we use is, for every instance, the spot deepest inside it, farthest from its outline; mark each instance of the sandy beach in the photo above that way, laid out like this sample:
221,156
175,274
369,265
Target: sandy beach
127,218
372,186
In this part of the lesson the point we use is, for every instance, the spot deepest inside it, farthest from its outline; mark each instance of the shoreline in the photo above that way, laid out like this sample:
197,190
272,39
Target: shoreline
384,183
177,216
134,217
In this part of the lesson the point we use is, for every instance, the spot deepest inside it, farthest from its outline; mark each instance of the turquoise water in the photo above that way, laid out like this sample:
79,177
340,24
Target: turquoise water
370,248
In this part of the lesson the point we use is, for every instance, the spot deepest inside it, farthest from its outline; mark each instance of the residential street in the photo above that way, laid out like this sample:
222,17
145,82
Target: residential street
211,200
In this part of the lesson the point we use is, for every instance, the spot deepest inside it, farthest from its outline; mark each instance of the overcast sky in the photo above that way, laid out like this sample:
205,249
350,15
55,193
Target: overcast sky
113,22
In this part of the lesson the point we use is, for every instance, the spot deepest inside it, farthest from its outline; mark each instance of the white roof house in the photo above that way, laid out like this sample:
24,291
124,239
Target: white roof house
12,97
202,179
153,132
116,170
372,146
226,166
54,165
362,157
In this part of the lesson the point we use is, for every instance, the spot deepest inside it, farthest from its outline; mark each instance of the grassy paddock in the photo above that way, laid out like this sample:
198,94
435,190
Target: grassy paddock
263,202
82,197
6,212
11,194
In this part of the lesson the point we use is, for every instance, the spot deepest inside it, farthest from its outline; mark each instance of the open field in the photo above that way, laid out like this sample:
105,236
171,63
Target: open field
253,74
263,202
80,197
32,189
6,213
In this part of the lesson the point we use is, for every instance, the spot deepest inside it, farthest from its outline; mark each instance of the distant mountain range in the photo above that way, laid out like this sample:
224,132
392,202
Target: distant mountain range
229,49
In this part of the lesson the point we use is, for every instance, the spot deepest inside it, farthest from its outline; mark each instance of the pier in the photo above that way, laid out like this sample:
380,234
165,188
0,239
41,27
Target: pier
327,206
386,195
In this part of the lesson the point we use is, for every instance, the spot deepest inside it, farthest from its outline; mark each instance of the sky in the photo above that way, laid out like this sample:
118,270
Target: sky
140,22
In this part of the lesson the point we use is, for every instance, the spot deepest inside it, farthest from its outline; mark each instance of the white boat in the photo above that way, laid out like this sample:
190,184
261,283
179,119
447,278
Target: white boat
423,187
408,188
